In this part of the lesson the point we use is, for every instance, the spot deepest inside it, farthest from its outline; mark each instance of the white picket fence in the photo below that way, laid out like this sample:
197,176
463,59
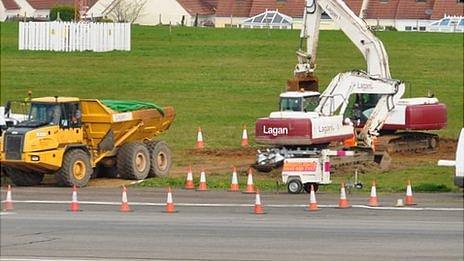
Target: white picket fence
74,37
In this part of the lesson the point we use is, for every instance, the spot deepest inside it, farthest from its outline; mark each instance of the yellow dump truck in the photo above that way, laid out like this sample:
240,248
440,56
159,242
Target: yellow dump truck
76,139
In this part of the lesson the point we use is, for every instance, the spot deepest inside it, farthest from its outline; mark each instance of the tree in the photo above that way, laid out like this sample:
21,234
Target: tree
66,13
126,10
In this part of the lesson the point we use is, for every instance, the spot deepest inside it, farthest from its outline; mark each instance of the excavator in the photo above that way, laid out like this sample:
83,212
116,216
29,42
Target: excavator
364,106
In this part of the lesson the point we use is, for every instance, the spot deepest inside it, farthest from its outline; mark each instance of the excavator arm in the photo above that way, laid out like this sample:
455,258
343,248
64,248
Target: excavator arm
377,80
354,28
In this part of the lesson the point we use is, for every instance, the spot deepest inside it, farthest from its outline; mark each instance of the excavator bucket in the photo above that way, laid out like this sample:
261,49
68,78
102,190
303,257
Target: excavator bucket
307,82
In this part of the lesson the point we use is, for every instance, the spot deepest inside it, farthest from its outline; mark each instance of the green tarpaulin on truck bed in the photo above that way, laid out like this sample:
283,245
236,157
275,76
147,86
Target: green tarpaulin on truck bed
124,106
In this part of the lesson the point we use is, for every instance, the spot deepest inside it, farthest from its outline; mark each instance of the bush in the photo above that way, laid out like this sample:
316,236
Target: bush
66,13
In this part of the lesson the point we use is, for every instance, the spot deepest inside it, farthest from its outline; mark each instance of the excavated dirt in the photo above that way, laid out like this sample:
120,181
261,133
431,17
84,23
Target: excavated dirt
220,161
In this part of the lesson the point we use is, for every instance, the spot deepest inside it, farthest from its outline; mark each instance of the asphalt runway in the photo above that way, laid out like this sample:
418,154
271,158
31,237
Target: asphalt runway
219,226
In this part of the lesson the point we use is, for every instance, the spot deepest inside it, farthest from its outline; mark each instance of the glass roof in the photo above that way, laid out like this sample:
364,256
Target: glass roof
269,18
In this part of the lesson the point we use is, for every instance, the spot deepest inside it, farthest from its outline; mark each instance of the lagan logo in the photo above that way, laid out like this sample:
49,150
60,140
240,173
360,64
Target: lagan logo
326,129
275,131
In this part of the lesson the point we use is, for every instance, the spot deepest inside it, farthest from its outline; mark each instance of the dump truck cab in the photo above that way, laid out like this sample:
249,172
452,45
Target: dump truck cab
51,123
37,145
72,137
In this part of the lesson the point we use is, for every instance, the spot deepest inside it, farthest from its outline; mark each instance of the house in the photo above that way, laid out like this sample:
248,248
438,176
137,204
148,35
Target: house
404,15
8,8
37,9
154,12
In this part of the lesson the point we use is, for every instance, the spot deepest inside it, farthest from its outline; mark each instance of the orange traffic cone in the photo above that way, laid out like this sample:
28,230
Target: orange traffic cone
258,209
189,181
244,137
312,200
124,205
373,201
200,143
234,187
8,203
169,202
250,188
343,202
203,186
74,207
409,199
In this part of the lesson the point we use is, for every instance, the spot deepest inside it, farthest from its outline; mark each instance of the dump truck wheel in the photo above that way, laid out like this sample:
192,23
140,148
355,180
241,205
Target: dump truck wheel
75,170
160,158
23,178
133,161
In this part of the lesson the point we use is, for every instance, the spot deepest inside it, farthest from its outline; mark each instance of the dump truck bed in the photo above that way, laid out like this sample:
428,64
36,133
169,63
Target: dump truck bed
103,126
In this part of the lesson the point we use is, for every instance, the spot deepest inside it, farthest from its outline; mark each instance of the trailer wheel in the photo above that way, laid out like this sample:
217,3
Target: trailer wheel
160,158
294,186
75,170
307,187
133,161
23,178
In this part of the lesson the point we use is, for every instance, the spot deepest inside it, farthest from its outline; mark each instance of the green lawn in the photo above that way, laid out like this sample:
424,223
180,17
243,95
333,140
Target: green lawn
220,79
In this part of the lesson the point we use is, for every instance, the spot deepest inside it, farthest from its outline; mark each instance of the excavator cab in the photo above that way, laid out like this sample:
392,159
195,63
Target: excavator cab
299,101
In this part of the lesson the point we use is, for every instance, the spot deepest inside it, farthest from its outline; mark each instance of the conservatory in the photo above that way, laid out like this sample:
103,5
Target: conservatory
269,19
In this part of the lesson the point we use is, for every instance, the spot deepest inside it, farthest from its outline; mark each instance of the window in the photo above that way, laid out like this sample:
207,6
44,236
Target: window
258,19
461,1
46,113
421,1
444,21
310,103
422,28
461,23
290,104
407,28
70,115
272,19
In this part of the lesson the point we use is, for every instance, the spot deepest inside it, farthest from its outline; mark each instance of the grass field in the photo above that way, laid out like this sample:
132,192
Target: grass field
220,79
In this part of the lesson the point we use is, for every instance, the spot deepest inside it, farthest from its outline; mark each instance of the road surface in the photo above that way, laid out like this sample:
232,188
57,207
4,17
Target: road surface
219,226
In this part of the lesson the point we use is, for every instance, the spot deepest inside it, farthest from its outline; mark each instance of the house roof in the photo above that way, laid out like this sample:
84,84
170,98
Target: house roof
354,5
448,7
236,8
48,4
382,9
201,7
412,9
10,5
293,8
377,9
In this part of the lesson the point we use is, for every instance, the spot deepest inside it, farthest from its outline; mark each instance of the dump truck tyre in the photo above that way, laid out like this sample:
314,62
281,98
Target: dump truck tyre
133,161
75,169
23,178
160,158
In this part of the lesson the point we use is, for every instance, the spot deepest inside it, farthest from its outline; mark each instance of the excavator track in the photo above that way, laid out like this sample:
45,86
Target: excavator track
408,141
